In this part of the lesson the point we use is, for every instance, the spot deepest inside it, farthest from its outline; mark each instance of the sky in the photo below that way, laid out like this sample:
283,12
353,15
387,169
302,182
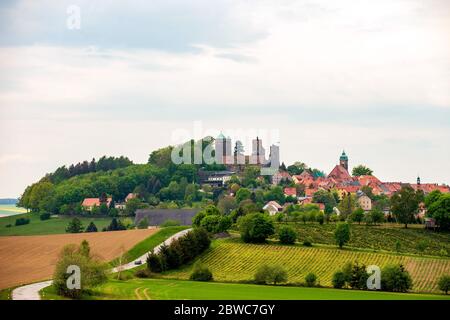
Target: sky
370,77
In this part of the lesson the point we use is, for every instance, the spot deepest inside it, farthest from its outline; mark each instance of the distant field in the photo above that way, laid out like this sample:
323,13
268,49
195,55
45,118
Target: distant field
10,209
159,289
231,260
33,258
37,227
382,237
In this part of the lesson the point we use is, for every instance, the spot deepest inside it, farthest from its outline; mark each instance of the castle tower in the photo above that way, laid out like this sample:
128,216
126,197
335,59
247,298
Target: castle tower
258,152
223,150
343,160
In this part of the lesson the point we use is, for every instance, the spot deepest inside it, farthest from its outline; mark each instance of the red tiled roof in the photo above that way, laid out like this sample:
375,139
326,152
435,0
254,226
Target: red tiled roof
340,174
290,191
90,202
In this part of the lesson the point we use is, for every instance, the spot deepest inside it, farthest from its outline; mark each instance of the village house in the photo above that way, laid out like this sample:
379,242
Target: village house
89,203
364,201
273,207
280,176
290,192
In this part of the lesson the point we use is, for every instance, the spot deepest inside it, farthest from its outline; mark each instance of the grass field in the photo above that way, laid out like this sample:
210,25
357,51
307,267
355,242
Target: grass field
37,227
161,289
30,259
382,237
10,209
230,260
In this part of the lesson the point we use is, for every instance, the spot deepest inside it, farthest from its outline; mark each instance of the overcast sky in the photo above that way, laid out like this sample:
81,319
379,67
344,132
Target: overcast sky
370,77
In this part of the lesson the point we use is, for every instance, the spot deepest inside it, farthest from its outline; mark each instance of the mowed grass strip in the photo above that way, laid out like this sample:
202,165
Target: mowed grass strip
230,260
162,289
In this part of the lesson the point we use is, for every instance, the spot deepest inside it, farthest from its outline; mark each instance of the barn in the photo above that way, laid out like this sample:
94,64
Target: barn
157,217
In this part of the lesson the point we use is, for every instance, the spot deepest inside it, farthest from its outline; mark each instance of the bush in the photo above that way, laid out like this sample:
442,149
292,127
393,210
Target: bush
342,234
270,274
44,216
155,263
255,227
170,223
395,278
201,273
308,242
339,280
287,235
143,224
320,217
444,283
74,226
311,279
143,273
359,276
22,221
92,270
91,227
115,225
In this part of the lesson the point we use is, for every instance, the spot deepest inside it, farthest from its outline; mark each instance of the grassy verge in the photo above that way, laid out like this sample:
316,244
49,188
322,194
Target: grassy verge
149,243
161,289
5,294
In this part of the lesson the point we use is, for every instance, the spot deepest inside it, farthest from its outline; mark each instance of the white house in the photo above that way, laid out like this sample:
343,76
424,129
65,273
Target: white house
273,207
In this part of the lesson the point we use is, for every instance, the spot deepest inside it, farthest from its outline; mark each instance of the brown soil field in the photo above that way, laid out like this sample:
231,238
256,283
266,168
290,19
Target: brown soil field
27,259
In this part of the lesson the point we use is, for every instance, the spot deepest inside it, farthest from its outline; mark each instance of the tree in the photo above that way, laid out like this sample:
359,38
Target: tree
92,270
310,279
342,234
227,204
287,235
201,273
361,171
255,227
347,205
296,168
155,263
359,276
75,226
404,204
440,211
243,194
432,197
115,225
270,274
375,216
395,278
357,215
91,227
444,283
339,280
143,224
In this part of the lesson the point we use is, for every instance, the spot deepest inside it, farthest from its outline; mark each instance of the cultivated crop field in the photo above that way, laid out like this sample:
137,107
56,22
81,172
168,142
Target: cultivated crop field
232,260
29,259
383,237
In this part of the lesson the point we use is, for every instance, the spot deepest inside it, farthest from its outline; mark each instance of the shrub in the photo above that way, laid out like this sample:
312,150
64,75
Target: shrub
342,234
115,225
255,227
308,242
444,283
22,221
320,217
155,263
270,274
421,246
143,224
91,227
339,280
143,273
359,276
201,273
44,216
74,226
93,271
357,215
170,223
9,225
287,235
395,278
311,279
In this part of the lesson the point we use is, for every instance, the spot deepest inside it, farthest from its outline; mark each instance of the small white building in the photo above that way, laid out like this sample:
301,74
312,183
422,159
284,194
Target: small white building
273,207
364,201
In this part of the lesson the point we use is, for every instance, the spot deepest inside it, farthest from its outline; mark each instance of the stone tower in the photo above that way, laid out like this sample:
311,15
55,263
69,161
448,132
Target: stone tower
343,160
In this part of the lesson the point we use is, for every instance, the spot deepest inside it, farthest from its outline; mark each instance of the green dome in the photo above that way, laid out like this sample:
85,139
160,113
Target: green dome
343,156
221,137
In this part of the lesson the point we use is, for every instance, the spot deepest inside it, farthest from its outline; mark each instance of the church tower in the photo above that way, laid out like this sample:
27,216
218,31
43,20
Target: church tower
418,181
343,160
